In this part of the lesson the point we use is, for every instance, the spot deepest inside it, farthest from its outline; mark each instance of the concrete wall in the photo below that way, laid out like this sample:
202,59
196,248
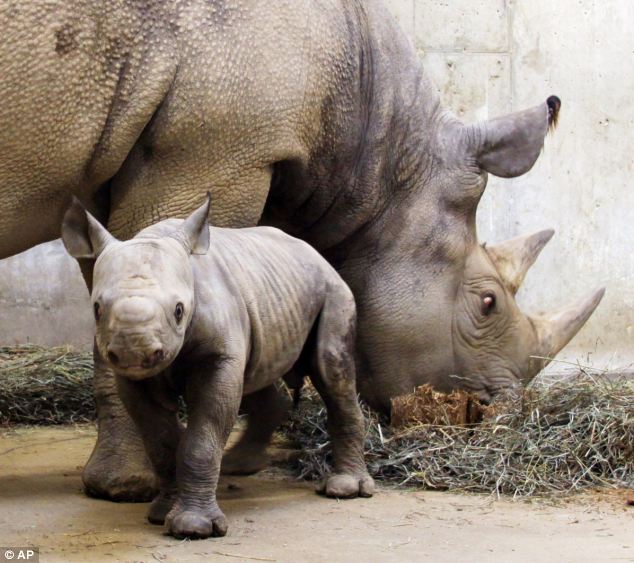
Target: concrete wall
487,57
43,299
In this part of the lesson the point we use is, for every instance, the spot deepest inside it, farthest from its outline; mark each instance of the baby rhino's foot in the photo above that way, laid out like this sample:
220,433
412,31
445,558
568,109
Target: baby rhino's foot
196,523
160,507
347,485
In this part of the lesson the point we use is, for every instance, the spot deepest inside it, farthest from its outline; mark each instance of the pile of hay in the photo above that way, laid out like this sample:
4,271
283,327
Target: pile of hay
558,439
45,386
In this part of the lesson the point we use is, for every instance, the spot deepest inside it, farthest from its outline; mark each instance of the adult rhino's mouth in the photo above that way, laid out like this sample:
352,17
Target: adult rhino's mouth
504,385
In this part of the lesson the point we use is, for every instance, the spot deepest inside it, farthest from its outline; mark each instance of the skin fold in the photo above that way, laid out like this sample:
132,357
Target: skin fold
215,314
313,116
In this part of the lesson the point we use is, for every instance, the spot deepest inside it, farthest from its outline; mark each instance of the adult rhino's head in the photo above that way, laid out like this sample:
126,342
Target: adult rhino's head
143,289
439,307
496,346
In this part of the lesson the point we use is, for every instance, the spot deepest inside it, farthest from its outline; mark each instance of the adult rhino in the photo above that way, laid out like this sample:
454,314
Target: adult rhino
311,115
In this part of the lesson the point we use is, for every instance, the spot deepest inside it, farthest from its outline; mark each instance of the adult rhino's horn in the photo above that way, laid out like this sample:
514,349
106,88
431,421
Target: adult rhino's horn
556,330
514,257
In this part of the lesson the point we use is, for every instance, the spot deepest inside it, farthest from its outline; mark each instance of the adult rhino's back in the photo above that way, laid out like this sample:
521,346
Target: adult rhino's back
139,107
79,82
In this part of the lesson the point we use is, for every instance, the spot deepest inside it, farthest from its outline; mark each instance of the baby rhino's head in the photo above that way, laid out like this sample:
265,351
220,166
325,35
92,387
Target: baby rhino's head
142,289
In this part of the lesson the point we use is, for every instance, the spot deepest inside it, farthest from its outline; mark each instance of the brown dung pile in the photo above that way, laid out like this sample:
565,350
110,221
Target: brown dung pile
554,440
45,386
426,406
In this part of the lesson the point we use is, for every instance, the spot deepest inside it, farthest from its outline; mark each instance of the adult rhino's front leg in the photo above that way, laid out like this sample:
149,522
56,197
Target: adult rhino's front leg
118,468
146,190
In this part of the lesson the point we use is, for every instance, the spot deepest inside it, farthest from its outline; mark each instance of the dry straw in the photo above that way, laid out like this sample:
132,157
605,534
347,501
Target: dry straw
560,438
555,440
45,386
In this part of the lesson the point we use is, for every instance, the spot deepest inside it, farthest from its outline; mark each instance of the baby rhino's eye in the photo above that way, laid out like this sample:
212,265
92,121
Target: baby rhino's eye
179,312
97,311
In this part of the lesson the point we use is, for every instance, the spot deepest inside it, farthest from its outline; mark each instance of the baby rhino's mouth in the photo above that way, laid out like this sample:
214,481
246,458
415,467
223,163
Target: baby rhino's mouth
142,366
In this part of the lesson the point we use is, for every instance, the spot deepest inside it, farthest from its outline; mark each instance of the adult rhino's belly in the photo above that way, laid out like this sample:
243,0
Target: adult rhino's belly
221,129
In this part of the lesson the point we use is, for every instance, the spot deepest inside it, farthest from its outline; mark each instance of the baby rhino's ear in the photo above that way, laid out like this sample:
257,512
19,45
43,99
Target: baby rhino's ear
82,235
194,232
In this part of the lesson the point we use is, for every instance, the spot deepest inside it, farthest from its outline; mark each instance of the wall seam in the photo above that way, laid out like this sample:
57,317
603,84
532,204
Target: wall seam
510,43
509,202
452,50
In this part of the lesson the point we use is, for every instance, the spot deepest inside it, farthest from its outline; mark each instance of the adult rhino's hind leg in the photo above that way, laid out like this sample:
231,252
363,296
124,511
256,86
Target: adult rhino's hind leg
118,468
266,409
334,378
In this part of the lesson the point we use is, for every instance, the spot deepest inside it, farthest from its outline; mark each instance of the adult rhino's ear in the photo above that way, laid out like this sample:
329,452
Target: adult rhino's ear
509,146
194,232
82,235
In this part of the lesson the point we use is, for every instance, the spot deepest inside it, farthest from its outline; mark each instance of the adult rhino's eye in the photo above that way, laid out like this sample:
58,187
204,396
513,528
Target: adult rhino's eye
179,312
97,311
488,303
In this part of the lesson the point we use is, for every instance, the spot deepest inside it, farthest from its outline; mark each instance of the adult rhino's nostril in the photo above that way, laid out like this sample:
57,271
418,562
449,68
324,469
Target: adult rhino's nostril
113,358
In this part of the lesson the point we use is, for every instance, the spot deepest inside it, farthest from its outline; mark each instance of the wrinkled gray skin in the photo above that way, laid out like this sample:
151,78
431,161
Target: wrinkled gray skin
311,115
217,321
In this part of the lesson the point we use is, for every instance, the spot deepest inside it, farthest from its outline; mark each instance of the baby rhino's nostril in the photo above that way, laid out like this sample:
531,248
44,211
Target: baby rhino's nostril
154,358
113,358
159,355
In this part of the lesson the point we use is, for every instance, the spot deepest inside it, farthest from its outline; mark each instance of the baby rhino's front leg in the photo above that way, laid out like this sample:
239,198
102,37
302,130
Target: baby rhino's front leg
213,399
153,406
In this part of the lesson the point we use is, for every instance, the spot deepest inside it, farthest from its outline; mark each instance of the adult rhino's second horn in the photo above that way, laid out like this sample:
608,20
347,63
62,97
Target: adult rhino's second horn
514,257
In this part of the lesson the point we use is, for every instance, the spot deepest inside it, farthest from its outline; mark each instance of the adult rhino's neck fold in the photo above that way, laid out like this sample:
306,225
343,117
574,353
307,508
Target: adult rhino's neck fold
377,128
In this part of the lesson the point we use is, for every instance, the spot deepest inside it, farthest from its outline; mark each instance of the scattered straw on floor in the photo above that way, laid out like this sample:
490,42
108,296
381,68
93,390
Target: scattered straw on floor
45,386
572,435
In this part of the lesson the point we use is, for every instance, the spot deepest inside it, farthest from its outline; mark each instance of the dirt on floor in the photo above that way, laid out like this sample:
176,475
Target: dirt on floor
272,518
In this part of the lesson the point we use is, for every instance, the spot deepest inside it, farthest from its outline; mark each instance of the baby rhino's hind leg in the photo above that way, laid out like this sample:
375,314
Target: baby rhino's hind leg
334,378
265,410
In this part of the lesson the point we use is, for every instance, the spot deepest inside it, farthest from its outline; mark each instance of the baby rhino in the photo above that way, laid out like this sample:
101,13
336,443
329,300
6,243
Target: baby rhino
214,314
